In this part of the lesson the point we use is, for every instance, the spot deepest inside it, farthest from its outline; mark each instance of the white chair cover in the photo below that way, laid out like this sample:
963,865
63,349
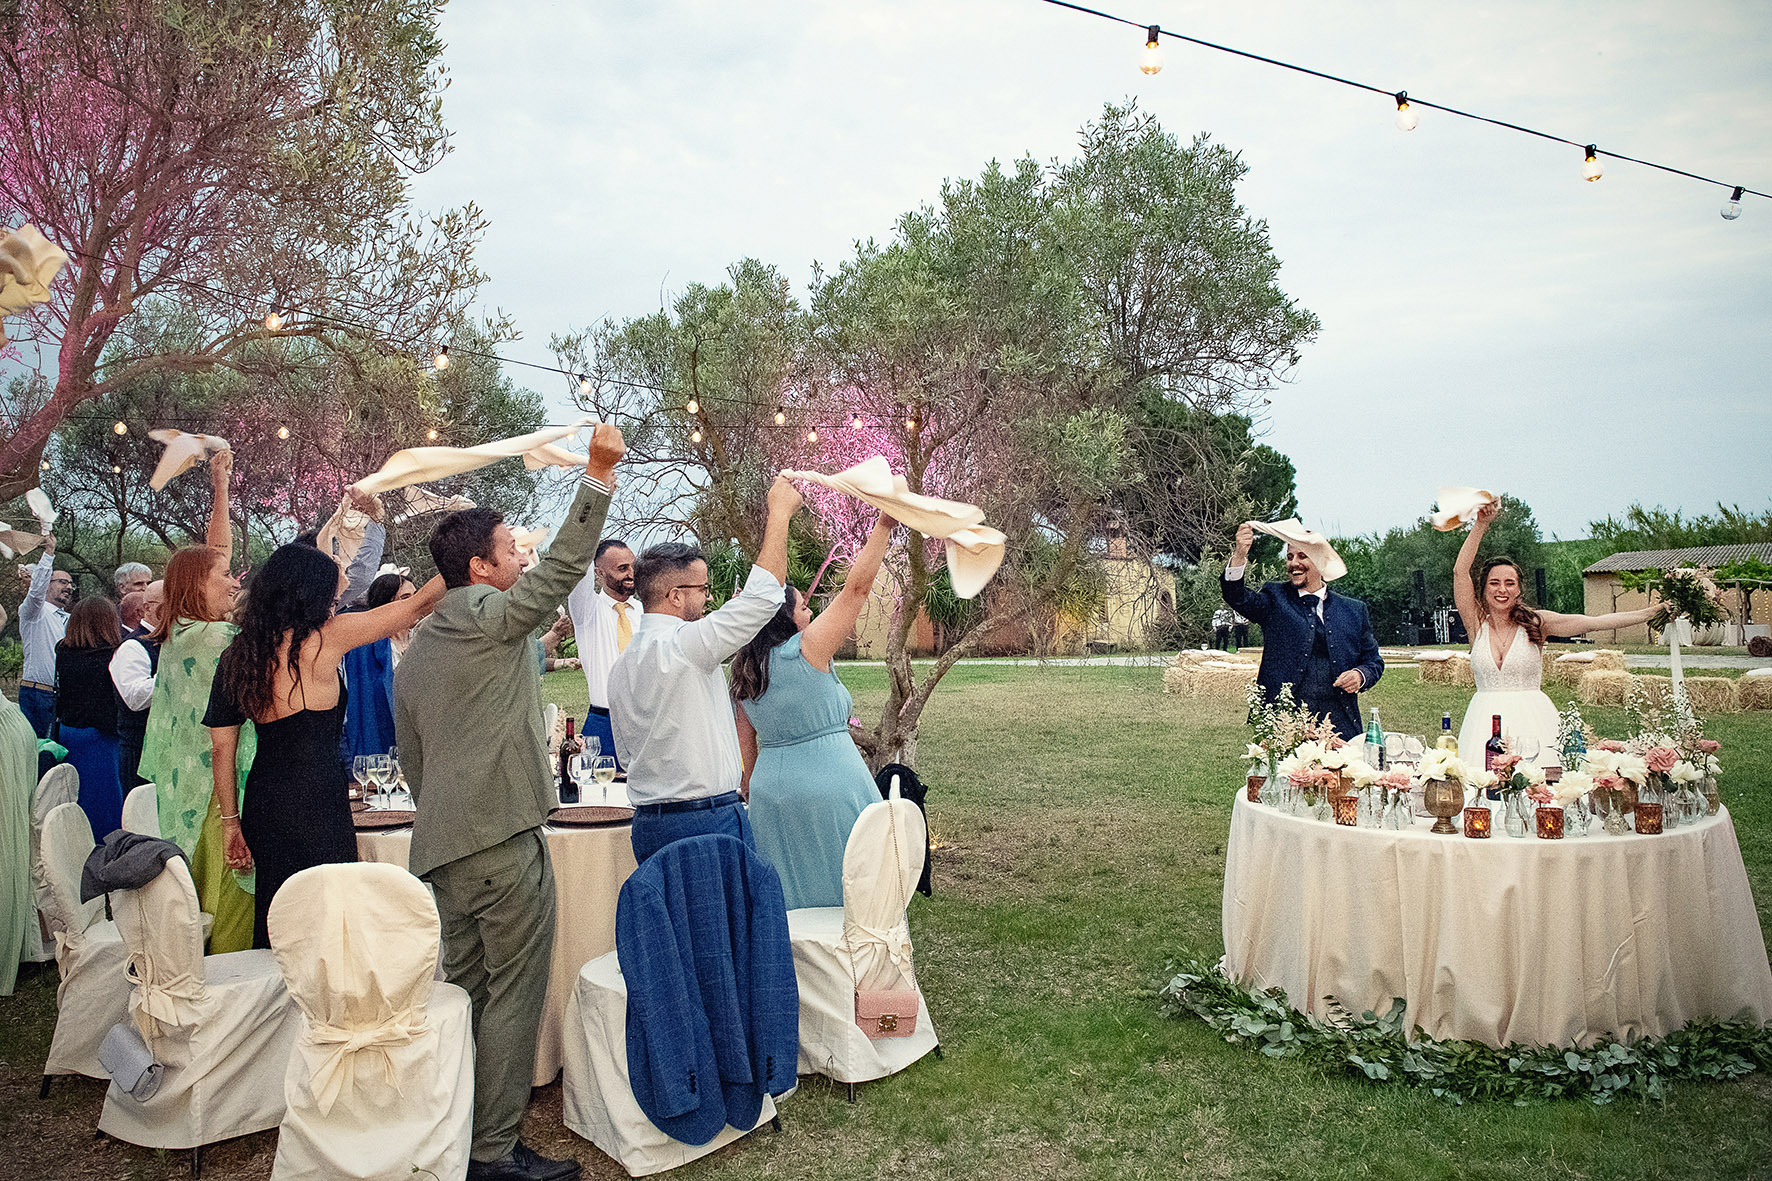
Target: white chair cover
221,1025
597,1097
381,1083
141,810
59,785
869,937
89,953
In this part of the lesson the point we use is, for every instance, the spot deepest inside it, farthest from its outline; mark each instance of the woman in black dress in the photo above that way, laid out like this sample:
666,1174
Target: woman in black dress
281,675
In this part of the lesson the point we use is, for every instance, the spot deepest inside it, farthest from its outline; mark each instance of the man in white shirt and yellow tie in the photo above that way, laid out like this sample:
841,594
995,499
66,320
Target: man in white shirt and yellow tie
604,611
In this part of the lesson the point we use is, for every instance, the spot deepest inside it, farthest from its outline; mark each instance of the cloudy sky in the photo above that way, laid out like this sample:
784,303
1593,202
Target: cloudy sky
1488,318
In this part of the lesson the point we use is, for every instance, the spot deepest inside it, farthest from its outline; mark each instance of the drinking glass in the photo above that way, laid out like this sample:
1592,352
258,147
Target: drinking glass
360,772
603,768
381,773
593,745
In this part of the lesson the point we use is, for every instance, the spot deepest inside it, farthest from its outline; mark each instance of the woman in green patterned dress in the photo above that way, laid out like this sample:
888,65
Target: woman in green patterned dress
192,632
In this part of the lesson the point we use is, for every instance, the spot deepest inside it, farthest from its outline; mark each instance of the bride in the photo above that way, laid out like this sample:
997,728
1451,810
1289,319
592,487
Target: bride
1507,647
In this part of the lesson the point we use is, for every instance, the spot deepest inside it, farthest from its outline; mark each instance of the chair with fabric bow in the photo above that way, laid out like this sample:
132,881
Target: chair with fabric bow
141,810
843,952
59,785
221,1026
90,955
381,1083
703,1044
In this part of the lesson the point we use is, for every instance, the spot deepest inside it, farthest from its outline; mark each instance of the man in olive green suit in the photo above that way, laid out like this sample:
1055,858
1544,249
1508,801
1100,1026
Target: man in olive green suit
467,713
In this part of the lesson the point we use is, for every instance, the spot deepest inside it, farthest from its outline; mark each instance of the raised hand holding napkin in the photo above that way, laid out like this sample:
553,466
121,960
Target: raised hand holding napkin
1292,532
183,452
1457,507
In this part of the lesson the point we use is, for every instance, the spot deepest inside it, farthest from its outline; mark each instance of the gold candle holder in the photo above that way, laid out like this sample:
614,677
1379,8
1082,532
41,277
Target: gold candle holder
1648,818
1347,810
1443,800
1550,822
1478,822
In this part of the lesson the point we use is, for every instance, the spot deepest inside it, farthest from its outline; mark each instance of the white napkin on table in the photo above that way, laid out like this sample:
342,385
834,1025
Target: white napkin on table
1458,506
974,549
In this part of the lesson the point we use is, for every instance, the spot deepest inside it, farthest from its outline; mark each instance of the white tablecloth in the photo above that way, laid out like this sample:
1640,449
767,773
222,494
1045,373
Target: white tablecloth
1499,940
590,864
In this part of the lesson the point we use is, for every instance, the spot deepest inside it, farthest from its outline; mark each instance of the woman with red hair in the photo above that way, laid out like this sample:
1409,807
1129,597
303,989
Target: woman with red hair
192,633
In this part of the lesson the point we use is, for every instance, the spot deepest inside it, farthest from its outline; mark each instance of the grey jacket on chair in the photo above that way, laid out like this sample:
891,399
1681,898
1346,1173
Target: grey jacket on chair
467,701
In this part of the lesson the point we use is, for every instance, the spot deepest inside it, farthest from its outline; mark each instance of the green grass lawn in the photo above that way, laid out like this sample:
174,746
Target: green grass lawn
1081,816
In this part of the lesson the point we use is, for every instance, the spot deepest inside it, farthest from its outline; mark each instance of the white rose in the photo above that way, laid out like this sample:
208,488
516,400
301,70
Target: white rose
1711,766
1684,772
1572,786
1310,752
1633,768
1478,777
1365,775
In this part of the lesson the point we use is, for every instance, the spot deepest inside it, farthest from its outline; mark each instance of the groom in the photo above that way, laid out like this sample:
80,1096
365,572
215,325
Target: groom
1319,642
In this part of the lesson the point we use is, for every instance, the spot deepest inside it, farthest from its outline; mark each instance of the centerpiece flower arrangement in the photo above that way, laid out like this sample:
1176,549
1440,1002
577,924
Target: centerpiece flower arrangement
1682,762
1279,728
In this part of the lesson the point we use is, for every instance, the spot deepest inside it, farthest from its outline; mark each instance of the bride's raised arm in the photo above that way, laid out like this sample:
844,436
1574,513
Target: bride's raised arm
1464,591
1579,625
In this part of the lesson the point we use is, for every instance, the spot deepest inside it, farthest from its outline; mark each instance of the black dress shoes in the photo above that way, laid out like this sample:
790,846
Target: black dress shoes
523,1164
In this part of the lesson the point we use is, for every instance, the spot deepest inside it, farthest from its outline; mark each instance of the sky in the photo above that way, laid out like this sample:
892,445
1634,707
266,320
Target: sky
1487,317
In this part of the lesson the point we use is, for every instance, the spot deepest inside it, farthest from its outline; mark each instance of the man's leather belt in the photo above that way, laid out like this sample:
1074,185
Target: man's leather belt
700,805
36,685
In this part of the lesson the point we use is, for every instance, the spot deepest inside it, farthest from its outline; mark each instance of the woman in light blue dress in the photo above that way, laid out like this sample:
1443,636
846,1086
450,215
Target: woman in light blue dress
805,780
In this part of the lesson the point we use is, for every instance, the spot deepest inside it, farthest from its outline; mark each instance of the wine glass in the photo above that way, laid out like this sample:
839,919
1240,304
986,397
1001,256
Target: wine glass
381,771
579,768
593,746
1527,747
603,769
360,772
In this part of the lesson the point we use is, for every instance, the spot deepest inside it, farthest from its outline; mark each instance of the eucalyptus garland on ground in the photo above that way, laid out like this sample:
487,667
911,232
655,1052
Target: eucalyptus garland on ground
1377,1048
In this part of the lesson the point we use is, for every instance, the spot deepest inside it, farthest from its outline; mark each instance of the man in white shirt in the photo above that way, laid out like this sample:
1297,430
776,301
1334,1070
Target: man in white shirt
604,620
42,621
133,667
668,703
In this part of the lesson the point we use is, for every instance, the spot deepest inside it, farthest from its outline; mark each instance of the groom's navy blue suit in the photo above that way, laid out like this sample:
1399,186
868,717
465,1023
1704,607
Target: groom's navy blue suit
1309,653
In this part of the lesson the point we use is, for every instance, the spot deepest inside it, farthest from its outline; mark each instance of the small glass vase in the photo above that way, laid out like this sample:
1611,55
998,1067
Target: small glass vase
1514,816
1713,799
1615,825
1576,817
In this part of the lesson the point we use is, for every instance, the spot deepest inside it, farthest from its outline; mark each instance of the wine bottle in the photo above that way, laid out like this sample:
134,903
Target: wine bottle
1492,750
1447,740
1375,741
569,746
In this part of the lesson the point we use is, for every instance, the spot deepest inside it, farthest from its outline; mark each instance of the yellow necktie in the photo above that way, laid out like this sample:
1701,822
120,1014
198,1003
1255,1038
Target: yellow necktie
624,628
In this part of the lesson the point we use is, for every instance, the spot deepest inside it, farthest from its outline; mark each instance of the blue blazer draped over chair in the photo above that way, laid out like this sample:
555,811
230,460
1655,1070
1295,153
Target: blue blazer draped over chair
1288,625
701,933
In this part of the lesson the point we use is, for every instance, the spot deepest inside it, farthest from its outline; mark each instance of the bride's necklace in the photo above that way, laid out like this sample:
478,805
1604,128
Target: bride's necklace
1494,635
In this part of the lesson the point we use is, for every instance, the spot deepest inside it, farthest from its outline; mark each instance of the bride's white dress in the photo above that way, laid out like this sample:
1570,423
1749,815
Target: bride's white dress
1510,689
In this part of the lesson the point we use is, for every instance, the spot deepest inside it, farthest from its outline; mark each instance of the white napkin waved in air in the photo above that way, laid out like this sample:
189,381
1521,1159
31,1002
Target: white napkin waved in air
1292,532
45,513
418,465
420,502
342,535
16,543
974,549
29,263
1457,507
183,452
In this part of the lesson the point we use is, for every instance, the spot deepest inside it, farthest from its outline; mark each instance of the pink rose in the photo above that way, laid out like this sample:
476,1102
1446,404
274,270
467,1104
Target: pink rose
1539,793
1661,759
1612,744
1504,764
1709,746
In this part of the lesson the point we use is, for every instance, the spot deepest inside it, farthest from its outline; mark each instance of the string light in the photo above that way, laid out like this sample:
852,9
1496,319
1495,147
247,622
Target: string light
1732,210
282,432
44,465
117,469
1590,165
910,423
695,435
855,423
584,386
693,406
273,322
781,417
431,434
121,428
441,361
1151,60
1407,119
812,435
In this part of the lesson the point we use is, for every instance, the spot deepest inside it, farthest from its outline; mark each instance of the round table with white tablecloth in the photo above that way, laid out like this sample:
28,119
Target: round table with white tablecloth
1553,942
590,865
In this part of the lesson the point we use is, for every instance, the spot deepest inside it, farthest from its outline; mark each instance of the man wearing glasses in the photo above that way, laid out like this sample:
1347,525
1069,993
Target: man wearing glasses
668,705
42,621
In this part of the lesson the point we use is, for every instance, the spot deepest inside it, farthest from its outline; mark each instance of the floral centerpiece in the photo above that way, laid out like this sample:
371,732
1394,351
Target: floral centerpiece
1280,727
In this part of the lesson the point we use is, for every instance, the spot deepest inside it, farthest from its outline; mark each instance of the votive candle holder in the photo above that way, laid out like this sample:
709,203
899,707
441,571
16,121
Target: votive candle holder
1253,789
1347,810
1478,823
1648,818
1550,822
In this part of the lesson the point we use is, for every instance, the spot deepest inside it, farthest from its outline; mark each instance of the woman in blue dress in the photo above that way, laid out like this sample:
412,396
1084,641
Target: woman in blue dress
804,778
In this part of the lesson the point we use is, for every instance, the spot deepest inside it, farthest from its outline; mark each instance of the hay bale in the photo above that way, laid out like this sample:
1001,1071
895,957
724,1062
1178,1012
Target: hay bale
1603,686
1657,687
1609,660
1455,670
1712,695
1567,672
1754,692
1223,680
1175,679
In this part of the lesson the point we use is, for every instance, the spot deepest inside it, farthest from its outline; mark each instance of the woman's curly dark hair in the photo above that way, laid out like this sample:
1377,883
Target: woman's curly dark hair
290,598
1519,613
750,666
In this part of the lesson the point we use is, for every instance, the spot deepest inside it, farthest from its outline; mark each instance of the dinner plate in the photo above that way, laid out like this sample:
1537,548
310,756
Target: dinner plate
590,815
386,818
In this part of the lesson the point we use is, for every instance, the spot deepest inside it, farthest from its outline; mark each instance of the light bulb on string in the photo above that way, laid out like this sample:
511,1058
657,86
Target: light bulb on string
695,435
812,435
1407,119
1590,165
1151,60
44,465
273,321
692,406
1732,209
121,428
855,423
282,432
441,360
431,434
781,417
910,423
584,386
116,469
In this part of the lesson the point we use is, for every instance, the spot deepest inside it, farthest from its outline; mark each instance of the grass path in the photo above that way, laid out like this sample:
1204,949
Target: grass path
1082,816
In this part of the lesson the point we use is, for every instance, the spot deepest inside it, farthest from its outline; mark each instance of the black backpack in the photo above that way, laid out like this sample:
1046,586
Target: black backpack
912,789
